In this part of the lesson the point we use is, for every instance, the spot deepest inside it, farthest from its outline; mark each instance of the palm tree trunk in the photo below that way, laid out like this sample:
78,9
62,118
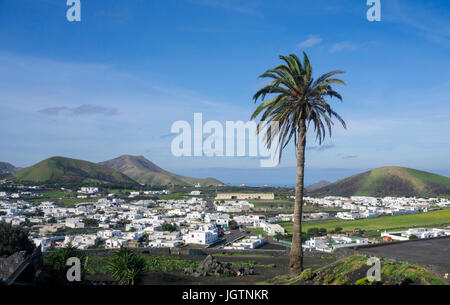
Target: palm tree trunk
296,255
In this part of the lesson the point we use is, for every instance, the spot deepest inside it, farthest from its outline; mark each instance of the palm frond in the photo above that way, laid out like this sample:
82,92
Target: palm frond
296,99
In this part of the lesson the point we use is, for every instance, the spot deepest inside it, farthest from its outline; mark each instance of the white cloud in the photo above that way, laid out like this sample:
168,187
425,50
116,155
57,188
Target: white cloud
343,46
310,42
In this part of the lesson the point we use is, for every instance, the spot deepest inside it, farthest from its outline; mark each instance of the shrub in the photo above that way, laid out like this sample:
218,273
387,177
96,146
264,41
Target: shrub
363,281
55,264
400,278
307,275
14,239
328,279
169,227
126,267
413,276
233,225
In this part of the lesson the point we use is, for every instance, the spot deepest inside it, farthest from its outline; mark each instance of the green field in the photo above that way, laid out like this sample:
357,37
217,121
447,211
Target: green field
71,202
435,218
61,199
288,206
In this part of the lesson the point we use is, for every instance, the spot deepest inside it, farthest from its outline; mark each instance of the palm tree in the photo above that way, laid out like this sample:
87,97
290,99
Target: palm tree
126,267
298,101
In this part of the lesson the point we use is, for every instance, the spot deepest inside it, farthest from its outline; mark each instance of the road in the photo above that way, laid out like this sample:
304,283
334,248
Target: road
228,238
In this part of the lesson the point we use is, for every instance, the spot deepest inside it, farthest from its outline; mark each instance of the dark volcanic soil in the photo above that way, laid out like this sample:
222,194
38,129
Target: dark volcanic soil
263,271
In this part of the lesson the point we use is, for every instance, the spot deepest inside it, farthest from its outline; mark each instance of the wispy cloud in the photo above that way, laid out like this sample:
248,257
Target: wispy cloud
343,46
321,147
431,23
82,110
311,41
52,110
349,157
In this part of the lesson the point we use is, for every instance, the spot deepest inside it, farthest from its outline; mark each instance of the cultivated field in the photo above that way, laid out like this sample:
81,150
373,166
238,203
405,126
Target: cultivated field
436,218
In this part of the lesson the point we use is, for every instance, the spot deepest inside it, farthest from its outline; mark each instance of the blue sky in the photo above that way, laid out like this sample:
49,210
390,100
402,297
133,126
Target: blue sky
115,82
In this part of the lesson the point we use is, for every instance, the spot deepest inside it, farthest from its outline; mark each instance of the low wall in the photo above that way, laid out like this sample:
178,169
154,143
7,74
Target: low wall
184,251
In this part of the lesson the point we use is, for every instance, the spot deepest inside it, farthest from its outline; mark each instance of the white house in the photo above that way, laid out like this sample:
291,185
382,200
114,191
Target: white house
115,242
74,223
88,190
272,229
200,237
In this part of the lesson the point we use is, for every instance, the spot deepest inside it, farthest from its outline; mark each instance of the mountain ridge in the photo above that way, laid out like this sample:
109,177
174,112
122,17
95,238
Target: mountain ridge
146,172
8,168
62,170
318,185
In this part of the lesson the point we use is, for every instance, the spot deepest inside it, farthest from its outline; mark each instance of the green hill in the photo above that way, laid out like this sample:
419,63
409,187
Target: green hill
143,171
66,171
388,181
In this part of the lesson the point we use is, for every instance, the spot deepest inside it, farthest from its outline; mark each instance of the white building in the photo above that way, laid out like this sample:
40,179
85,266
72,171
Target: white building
88,190
115,242
74,223
204,235
419,232
271,229
252,242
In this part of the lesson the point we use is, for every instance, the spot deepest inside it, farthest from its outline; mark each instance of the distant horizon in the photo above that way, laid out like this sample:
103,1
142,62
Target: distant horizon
258,177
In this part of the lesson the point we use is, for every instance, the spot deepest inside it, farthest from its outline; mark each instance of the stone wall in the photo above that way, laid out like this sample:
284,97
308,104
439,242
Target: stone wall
23,267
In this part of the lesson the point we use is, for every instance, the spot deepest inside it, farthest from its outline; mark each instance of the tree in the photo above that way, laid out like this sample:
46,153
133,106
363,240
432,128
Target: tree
126,267
168,227
322,231
338,229
90,222
233,225
14,239
299,101
55,264
312,232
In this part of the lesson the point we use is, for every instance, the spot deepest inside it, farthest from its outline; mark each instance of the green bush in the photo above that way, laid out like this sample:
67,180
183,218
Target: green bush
55,264
363,281
126,267
413,276
233,225
169,227
307,275
14,239
328,279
